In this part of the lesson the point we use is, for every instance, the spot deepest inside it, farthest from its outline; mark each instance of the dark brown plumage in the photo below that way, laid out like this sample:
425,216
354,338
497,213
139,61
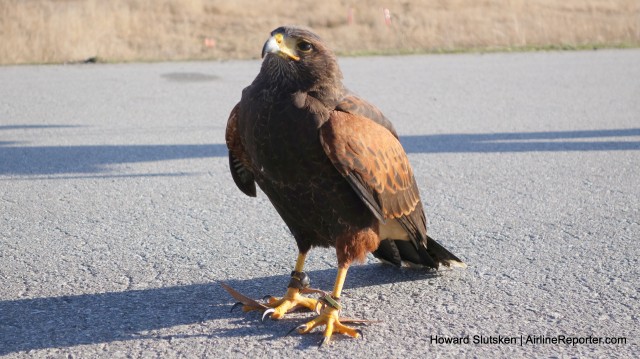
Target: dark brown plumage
329,162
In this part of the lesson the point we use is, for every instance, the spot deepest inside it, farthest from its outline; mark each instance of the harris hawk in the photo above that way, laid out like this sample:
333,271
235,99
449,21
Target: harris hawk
332,166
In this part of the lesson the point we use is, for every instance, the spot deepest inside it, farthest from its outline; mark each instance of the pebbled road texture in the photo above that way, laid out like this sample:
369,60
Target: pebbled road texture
118,217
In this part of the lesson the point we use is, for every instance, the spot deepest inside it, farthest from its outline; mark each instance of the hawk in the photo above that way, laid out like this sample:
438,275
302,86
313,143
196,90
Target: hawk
332,166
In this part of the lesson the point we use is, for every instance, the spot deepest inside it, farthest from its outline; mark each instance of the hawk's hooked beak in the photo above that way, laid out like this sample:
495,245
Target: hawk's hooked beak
281,46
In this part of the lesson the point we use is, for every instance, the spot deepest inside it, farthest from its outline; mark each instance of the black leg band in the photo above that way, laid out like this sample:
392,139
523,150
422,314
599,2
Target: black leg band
299,280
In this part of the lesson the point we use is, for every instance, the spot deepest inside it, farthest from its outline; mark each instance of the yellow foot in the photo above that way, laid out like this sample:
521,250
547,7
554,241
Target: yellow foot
331,319
274,308
291,301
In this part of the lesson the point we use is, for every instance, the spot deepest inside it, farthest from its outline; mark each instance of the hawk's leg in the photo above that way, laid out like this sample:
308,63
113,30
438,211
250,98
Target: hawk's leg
293,298
330,314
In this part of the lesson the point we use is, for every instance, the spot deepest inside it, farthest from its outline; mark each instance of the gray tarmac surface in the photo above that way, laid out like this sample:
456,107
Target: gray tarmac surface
118,217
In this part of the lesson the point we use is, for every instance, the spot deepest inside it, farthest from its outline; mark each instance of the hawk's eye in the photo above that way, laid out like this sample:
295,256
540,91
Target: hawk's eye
304,46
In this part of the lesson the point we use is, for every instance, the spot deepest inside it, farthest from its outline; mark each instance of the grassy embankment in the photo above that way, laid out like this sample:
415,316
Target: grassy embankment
53,31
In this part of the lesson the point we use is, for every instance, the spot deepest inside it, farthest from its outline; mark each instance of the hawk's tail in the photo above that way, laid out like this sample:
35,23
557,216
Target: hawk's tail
441,255
434,255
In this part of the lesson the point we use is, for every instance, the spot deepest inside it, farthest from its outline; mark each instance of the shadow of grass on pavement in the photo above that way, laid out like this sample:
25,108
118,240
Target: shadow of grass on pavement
55,160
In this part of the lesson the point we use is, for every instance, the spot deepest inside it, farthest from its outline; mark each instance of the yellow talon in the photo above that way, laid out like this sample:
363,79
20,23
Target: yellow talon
330,318
291,299
330,315
277,308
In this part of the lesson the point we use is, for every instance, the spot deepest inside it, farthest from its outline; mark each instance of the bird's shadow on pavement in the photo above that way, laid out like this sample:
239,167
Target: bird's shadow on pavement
67,321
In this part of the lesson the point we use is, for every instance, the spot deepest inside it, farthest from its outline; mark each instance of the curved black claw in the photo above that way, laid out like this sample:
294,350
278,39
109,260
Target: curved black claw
301,326
267,312
360,333
235,306
324,341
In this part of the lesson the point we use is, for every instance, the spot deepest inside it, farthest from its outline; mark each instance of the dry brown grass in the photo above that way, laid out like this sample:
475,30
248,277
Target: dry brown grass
44,31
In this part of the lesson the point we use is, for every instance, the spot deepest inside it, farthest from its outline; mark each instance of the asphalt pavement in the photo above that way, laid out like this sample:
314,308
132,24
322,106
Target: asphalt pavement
119,218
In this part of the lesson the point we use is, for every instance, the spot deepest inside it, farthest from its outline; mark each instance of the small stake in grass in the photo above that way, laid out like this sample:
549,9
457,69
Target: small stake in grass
387,16
209,42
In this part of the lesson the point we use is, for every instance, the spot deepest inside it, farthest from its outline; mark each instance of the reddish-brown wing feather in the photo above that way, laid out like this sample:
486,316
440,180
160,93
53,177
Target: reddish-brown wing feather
238,161
374,162
353,104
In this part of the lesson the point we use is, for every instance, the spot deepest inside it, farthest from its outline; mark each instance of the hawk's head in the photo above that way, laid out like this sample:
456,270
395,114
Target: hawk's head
297,59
